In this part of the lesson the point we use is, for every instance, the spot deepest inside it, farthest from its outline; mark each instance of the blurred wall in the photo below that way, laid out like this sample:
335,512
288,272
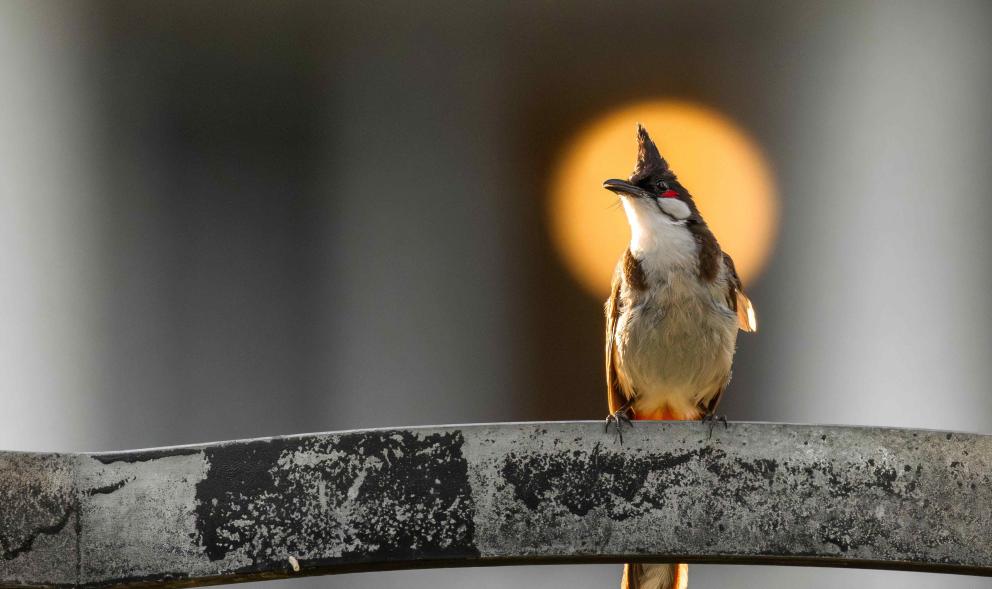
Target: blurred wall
51,396
244,219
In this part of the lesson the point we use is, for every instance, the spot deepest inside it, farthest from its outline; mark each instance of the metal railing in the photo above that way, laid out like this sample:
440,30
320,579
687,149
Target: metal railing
493,494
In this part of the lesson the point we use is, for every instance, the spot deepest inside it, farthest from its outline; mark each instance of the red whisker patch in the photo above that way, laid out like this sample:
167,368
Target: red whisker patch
669,194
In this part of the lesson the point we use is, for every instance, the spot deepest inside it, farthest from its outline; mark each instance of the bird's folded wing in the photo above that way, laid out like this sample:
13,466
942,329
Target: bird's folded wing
738,301
614,393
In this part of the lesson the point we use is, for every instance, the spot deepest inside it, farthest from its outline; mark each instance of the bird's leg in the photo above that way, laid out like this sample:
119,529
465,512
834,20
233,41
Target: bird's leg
620,417
712,418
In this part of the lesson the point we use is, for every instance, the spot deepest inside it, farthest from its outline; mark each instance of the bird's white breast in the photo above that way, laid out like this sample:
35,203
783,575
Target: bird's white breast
674,341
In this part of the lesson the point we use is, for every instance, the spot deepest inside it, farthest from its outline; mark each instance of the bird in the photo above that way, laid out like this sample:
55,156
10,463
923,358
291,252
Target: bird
675,307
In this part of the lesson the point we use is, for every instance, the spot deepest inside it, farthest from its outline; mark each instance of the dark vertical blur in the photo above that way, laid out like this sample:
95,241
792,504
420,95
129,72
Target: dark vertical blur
210,232
237,219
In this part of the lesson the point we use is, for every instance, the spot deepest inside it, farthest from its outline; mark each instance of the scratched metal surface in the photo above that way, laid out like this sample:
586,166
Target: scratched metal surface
498,494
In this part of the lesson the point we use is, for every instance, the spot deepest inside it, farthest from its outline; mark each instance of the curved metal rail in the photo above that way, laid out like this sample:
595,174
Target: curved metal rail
515,493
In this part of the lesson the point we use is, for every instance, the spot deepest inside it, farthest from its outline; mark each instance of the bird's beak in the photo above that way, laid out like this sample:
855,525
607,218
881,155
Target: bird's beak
622,187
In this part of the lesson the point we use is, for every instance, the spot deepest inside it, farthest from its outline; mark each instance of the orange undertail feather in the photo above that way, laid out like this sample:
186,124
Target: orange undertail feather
664,414
634,573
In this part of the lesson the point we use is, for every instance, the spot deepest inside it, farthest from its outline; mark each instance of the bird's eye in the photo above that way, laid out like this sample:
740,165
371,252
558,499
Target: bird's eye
665,192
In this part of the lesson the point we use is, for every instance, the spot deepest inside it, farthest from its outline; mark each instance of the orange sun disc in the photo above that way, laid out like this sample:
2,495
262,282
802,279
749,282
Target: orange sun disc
721,166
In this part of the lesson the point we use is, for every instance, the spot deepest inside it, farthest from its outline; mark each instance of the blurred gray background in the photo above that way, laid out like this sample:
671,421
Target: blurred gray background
227,220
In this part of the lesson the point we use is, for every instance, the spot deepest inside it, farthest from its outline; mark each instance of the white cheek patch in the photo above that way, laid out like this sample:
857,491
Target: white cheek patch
675,208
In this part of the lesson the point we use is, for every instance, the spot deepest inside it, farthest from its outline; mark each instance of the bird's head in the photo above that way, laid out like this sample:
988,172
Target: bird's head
653,189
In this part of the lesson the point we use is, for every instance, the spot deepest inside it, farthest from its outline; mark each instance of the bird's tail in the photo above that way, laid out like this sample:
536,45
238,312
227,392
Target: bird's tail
655,576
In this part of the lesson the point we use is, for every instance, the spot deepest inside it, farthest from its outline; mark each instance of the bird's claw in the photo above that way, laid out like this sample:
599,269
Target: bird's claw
712,419
619,418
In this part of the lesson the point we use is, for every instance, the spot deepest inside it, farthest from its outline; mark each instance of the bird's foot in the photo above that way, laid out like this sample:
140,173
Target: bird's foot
712,419
619,418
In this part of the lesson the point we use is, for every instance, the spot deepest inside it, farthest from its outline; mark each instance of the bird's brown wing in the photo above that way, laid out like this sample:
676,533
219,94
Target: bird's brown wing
614,393
737,300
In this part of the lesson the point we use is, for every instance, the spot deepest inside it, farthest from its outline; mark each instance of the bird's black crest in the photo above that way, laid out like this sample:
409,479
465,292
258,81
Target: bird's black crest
650,164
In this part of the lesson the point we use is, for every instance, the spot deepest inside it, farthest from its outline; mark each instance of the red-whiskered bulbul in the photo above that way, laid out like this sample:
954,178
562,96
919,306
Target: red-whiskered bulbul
672,318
